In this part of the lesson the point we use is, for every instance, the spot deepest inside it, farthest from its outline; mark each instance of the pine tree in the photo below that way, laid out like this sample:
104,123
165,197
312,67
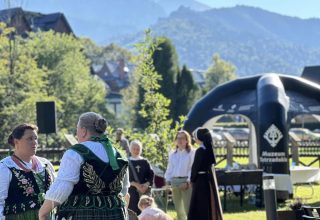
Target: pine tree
186,92
165,61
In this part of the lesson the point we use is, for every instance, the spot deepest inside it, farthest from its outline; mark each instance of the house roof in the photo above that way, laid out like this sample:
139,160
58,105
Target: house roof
7,14
36,20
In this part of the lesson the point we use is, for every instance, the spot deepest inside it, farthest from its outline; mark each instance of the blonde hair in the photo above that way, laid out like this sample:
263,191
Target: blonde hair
136,142
146,201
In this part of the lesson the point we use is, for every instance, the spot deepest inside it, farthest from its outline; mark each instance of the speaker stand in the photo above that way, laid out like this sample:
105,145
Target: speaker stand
46,140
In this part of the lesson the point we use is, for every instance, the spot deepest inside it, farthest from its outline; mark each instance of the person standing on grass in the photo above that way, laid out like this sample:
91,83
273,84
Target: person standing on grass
178,173
122,140
140,174
93,177
205,201
24,177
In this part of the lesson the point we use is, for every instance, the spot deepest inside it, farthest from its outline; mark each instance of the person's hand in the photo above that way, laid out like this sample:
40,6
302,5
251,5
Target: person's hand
184,186
139,187
134,184
144,187
43,217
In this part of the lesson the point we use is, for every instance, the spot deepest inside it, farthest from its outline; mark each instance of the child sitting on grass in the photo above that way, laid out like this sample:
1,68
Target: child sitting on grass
149,211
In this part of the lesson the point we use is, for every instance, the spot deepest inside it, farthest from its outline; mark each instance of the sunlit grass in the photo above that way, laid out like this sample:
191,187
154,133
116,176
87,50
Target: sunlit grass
251,212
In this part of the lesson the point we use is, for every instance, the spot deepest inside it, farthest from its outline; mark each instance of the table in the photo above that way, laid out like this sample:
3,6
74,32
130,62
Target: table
283,185
301,174
239,177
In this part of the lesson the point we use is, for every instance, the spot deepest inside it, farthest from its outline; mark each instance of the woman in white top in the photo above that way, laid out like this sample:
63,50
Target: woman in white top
178,173
24,177
92,179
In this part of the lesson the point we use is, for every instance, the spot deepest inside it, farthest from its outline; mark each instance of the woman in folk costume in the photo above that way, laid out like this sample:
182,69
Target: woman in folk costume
178,173
24,177
141,175
92,179
205,201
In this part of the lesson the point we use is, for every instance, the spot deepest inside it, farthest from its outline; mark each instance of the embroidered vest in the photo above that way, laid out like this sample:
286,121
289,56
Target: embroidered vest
99,186
24,193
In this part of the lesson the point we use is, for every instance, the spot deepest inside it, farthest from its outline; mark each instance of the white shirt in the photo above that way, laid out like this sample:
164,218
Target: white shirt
153,211
179,164
6,176
69,172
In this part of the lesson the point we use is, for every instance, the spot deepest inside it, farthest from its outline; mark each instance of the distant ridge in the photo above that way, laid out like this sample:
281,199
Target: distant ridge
255,40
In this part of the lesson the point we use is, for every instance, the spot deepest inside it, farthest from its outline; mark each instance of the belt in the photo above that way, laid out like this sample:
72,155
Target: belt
180,177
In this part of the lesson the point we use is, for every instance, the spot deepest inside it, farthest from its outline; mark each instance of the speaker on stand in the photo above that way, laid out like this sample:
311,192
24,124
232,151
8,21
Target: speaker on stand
46,118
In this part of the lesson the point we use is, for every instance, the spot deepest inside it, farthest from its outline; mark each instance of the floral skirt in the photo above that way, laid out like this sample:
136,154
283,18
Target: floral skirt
29,215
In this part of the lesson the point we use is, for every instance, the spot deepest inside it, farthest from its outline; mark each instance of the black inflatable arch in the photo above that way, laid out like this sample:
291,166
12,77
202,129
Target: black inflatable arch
270,101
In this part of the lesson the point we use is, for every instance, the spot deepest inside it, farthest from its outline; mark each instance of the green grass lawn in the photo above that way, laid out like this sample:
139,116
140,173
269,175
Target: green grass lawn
250,212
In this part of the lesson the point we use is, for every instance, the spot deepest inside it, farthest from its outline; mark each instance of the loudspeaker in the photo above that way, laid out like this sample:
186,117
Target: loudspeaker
46,117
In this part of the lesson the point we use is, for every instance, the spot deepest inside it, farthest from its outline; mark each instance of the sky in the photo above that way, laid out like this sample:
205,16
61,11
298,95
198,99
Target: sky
296,8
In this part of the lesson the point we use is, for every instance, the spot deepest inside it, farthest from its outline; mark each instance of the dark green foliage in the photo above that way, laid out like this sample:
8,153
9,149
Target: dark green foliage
165,62
186,92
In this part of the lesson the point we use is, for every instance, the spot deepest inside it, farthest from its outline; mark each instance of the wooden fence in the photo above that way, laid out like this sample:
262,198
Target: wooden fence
240,149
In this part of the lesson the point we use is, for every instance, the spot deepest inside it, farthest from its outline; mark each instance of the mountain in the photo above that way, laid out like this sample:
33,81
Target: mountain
103,20
172,5
253,39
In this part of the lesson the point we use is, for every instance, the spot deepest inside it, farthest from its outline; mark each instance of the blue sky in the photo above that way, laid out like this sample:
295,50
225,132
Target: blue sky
297,8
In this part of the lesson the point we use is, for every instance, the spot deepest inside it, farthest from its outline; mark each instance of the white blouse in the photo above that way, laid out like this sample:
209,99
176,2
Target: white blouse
6,176
179,164
69,172
153,211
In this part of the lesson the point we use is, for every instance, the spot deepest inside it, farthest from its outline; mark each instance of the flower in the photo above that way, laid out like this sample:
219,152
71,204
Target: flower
32,205
24,181
29,190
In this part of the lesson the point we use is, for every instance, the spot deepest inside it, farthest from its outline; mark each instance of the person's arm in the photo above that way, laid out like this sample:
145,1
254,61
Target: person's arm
126,183
68,176
4,186
46,208
168,173
192,152
150,173
196,165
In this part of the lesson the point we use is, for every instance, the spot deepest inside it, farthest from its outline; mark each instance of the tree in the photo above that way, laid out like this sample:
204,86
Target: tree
158,136
68,77
46,66
165,61
100,54
21,82
186,92
219,72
